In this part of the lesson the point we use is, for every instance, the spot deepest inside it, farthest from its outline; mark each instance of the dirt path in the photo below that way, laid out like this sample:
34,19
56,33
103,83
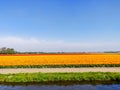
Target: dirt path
61,70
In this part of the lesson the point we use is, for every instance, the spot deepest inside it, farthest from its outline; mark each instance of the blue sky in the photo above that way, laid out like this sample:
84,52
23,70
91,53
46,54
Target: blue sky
60,25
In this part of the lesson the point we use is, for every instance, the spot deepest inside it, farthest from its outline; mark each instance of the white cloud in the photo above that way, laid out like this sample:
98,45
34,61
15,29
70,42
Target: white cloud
33,44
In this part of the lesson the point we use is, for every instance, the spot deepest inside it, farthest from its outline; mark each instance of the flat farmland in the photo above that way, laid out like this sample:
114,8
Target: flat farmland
58,59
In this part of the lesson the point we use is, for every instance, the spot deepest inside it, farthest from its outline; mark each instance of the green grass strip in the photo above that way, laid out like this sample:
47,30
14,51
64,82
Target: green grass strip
47,77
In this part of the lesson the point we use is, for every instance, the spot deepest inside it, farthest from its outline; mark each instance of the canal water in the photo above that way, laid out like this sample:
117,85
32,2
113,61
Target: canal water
61,86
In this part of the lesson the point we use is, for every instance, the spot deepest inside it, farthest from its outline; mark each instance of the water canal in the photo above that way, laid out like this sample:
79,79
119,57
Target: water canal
62,86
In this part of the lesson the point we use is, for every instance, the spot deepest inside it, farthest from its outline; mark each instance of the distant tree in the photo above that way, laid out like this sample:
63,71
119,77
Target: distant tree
10,51
5,50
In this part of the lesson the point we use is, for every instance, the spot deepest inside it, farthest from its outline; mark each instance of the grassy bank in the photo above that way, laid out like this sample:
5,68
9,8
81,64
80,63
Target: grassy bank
47,77
62,66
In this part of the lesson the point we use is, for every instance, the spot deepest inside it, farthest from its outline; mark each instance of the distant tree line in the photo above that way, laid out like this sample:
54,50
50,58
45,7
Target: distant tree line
5,50
112,52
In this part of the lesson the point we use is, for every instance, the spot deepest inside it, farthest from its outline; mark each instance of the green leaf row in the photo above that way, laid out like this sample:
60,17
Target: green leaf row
63,66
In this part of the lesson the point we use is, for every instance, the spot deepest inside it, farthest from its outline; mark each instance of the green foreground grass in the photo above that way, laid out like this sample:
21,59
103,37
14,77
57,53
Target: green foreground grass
52,77
62,66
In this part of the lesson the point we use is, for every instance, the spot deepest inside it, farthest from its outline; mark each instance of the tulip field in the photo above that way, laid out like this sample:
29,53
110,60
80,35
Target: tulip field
59,59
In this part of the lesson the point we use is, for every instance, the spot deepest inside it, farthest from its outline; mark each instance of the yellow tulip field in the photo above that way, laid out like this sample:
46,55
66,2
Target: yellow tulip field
59,59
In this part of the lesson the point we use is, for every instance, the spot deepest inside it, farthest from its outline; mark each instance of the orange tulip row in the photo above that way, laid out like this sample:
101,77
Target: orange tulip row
59,59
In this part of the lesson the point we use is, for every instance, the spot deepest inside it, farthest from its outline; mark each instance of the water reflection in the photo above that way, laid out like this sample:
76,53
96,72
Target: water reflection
61,86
